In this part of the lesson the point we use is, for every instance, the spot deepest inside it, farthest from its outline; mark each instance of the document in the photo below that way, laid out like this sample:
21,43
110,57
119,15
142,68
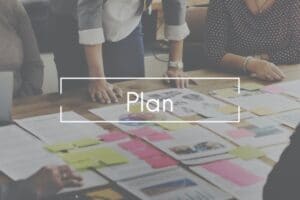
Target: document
243,179
291,88
291,118
274,152
173,184
49,129
253,131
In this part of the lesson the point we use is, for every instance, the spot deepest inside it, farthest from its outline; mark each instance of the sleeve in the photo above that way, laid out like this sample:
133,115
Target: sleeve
284,179
175,18
291,53
32,70
217,31
90,22
16,191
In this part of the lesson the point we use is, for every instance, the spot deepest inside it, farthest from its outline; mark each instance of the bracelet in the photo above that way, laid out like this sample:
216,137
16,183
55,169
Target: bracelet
245,64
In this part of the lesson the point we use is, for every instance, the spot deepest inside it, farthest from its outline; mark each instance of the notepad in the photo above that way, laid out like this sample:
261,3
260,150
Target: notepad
110,157
85,142
133,145
233,173
60,147
161,161
86,164
147,152
247,152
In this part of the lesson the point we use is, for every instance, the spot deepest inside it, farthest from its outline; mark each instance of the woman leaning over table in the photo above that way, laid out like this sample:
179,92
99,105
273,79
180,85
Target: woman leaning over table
254,36
18,49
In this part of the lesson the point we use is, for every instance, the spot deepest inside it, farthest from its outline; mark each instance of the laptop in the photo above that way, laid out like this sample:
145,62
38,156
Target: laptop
6,96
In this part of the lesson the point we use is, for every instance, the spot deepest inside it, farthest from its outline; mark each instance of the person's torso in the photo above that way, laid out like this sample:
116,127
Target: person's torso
250,35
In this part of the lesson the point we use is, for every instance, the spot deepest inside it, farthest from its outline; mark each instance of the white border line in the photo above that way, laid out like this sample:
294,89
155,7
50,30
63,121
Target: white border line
238,79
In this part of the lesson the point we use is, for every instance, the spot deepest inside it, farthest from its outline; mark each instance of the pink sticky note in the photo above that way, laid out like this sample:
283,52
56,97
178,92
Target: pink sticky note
233,173
156,137
133,145
273,89
113,136
161,161
240,133
143,132
147,152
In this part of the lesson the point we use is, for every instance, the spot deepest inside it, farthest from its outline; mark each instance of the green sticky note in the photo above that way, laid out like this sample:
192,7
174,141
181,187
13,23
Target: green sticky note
85,142
247,153
74,157
60,147
86,164
251,86
110,157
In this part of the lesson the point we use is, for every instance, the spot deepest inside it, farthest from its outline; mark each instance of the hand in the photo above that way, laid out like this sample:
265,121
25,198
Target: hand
104,92
50,180
177,73
265,70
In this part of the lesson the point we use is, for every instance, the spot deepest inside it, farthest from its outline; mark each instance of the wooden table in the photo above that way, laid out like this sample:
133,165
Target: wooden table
79,101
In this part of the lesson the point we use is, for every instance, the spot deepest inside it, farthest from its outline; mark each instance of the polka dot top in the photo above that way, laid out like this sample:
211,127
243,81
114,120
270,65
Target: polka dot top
232,28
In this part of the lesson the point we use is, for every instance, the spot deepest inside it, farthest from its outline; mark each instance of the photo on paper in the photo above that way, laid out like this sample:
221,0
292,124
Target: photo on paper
198,148
171,186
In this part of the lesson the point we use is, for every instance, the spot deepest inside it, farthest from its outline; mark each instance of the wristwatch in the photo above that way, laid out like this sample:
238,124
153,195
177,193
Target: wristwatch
176,64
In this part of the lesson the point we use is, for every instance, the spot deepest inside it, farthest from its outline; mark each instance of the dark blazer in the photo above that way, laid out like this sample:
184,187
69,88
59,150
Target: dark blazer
284,181
17,191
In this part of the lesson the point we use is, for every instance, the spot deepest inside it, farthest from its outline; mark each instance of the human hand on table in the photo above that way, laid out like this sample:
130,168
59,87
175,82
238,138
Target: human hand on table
106,93
50,180
265,70
177,73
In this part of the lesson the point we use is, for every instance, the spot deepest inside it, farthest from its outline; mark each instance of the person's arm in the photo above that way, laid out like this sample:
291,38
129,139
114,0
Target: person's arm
291,53
16,191
91,36
176,31
32,70
217,41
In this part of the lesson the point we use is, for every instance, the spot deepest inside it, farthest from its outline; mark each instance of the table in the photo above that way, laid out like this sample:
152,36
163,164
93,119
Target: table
79,101
156,5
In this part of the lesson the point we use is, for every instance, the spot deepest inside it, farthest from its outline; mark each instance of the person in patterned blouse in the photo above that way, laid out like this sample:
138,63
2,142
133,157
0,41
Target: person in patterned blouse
254,36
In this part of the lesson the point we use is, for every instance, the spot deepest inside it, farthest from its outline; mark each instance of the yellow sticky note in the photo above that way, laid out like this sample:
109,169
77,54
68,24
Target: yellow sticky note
227,93
60,147
74,157
110,157
137,108
251,86
86,164
262,111
247,153
174,126
85,142
228,109
105,194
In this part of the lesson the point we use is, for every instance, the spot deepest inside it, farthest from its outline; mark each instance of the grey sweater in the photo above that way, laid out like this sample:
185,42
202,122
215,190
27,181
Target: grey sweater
18,50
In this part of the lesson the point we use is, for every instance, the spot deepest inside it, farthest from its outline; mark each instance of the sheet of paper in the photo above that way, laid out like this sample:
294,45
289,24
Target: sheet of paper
291,118
49,129
247,152
243,179
21,154
253,131
274,152
193,143
173,184
291,88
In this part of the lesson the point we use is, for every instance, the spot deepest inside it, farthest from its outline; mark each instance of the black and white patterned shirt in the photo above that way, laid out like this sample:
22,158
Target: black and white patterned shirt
232,28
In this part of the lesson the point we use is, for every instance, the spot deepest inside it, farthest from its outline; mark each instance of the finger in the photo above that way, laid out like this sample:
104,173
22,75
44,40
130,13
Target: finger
112,96
166,80
93,96
118,91
100,97
106,97
71,183
269,77
275,76
279,72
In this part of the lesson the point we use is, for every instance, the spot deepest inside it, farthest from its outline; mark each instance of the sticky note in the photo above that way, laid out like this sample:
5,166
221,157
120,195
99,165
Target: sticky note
113,136
227,93
143,132
262,111
75,157
157,137
161,161
247,152
105,194
273,89
147,152
137,108
240,133
228,109
133,145
110,157
60,147
251,86
174,126
233,173
85,142
86,164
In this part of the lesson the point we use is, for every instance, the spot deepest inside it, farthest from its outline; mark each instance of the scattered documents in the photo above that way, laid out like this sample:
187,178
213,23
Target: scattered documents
291,118
274,152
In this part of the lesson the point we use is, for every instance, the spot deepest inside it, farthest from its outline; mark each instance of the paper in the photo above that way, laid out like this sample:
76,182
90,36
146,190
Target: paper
105,194
60,147
233,173
251,86
273,89
160,161
291,88
85,142
262,111
133,145
113,136
240,133
291,118
49,129
243,179
174,126
274,152
247,152
147,153
110,157
228,109
173,184
227,92
143,132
